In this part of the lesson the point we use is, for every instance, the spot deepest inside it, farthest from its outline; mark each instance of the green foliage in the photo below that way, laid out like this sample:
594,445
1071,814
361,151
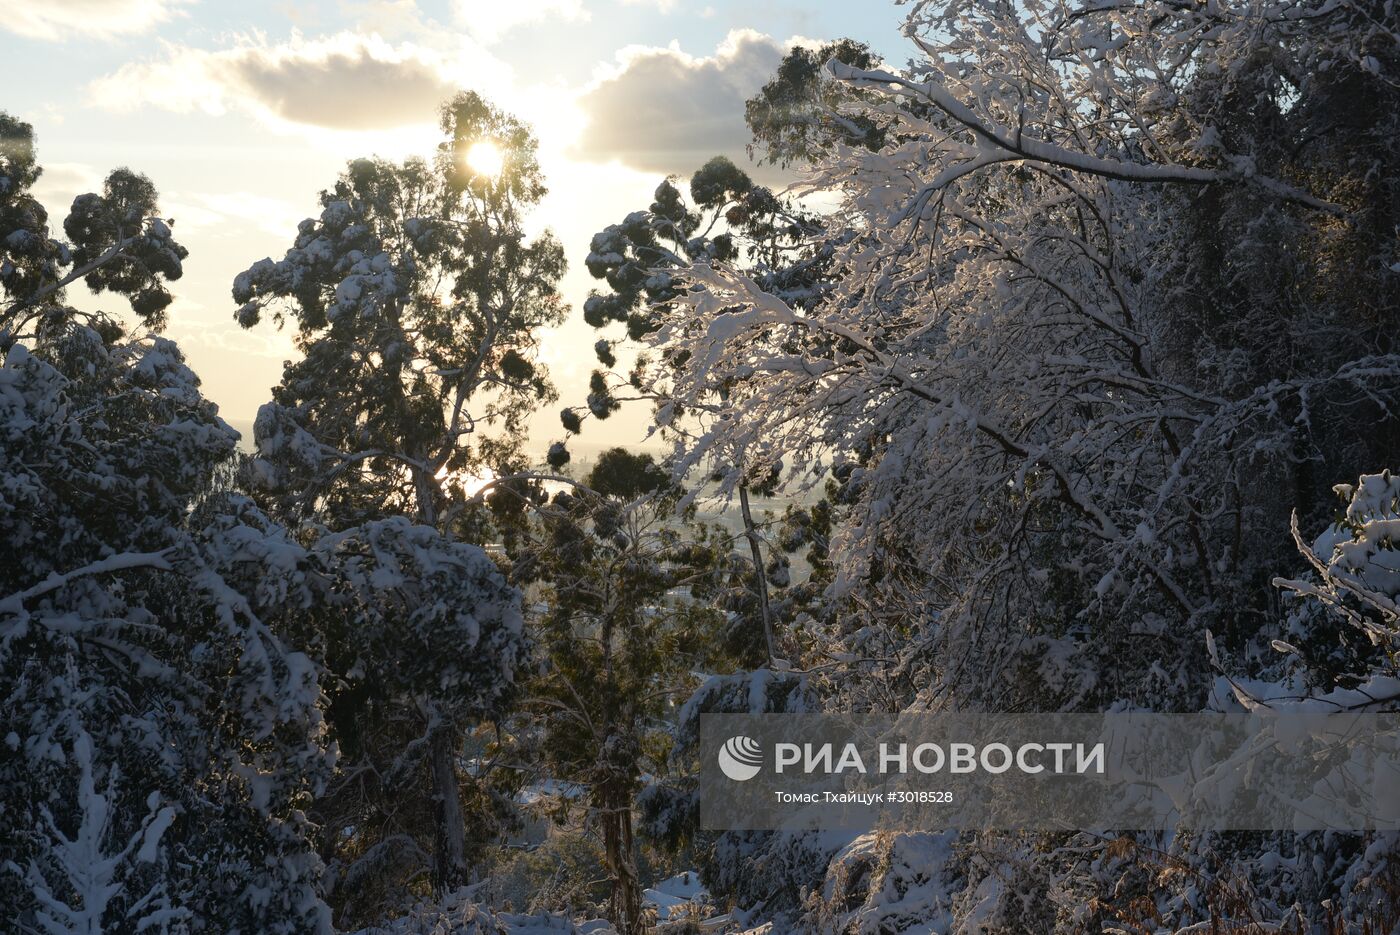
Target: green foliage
119,245
718,182
619,634
639,260
418,300
144,256
29,258
796,116
620,473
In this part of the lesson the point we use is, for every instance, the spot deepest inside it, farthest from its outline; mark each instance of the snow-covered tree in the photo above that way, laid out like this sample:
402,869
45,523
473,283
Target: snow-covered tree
160,736
417,299
88,884
425,636
729,219
116,240
798,116
1010,317
1115,296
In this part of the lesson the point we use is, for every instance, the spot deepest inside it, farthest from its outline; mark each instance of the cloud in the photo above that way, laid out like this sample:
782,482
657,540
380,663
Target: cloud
60,183
662,110
233,212
66,19
488,20
191,329
344,81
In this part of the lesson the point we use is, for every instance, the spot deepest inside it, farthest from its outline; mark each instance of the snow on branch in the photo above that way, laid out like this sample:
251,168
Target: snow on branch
997,143
14,603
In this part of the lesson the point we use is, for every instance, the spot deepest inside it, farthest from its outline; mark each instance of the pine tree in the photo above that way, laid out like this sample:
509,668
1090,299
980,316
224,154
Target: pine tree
626,588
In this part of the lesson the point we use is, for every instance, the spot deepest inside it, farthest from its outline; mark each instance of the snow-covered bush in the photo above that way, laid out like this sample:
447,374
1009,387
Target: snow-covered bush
1356,563
127,624
459,913
413,608
90,883
888,882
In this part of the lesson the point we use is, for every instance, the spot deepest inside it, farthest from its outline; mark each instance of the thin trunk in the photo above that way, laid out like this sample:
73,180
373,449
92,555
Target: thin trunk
450,869
751,533
626,902
72,277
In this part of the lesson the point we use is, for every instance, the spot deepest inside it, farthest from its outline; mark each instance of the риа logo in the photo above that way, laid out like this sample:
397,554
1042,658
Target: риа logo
741,758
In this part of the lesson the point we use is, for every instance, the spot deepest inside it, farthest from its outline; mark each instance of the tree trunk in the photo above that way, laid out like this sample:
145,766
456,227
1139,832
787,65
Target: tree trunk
450,852
751,533
626,902
450,869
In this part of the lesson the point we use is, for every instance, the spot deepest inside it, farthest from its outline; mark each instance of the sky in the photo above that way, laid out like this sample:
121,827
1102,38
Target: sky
241,112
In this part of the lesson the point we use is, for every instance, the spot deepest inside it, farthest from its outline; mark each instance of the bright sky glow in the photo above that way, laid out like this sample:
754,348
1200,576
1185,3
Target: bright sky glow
485,158
242,113
470,484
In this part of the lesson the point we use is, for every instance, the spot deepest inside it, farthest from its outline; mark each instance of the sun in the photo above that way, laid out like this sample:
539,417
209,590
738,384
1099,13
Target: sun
485,158
470,484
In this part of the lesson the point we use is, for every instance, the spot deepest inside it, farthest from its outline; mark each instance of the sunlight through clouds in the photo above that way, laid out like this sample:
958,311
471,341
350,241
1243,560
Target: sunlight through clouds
371,83
344,92
420,418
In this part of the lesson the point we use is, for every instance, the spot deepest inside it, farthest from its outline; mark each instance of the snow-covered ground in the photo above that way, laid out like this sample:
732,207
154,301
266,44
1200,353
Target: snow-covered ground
681,897
461,915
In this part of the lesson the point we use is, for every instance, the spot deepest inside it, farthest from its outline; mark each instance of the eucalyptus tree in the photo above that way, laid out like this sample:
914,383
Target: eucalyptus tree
117,242
162,734
640,263
798,115
417,300
728,219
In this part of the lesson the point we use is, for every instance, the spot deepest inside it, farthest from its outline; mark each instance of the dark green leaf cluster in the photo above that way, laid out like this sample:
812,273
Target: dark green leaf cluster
797,116
730,220
122,220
